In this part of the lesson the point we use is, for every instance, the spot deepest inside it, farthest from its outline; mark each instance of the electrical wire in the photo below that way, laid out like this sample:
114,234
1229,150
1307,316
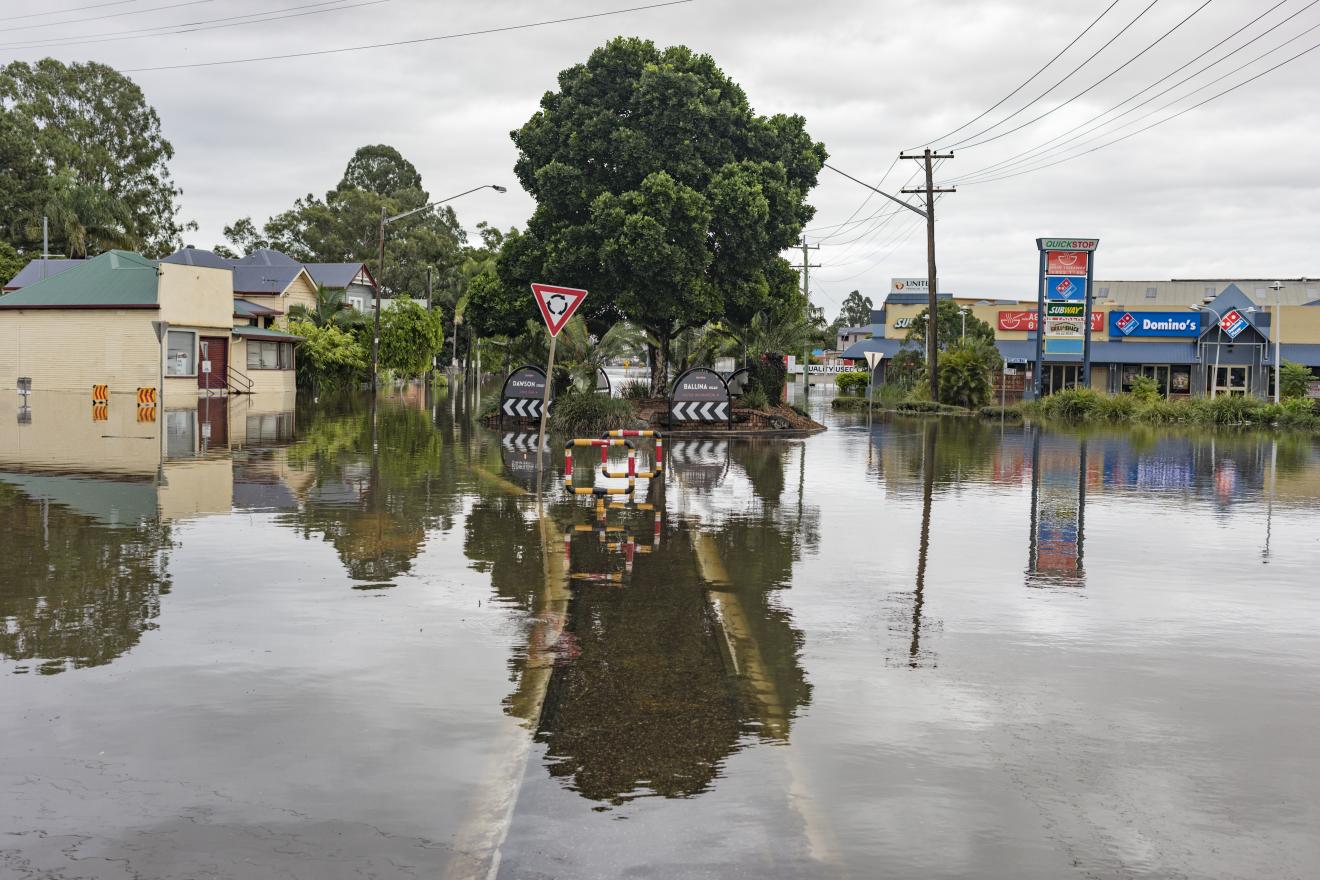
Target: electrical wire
1042,149
70,9
1182,112
1024,84
195,26
859,208
1060,82
416,40
1093,85
28,27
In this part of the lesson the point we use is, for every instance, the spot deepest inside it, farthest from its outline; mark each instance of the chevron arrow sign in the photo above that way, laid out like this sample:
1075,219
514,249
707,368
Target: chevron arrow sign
523,442
521,407
699,411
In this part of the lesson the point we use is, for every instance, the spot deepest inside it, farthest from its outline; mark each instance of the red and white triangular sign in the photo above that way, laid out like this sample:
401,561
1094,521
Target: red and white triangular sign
557,304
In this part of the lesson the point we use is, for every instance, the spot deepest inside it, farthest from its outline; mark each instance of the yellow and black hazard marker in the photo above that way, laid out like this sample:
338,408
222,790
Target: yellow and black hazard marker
100,412
146,396
146,414
100,394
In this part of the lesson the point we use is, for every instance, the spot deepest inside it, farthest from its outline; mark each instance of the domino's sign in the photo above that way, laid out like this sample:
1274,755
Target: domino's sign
1123,324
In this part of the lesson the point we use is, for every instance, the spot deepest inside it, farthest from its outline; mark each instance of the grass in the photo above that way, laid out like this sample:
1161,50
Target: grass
1084,405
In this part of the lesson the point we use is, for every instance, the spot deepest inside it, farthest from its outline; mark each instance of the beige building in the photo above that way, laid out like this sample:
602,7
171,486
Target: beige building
138,326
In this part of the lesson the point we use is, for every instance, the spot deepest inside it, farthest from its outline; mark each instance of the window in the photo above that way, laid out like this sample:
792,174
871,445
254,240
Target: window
1151,292
263,355
180,353
1209,293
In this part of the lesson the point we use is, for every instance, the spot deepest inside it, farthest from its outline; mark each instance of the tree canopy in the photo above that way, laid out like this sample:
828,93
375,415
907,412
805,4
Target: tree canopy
949,326
856,311
344,225
659,190
79,144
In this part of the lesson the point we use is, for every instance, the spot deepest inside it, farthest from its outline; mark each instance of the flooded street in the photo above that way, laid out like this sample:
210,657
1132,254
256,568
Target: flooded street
337,640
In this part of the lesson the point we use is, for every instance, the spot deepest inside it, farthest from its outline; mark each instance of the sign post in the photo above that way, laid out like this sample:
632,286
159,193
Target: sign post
557,305
1066,271
873,359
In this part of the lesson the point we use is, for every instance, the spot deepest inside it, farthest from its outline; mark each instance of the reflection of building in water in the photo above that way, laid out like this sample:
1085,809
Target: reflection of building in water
647,684
86,504
1058,510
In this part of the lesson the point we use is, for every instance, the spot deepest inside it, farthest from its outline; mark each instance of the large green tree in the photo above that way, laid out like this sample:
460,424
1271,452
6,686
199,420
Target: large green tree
80,142
949,326
344,225
856,311
662,192
410,337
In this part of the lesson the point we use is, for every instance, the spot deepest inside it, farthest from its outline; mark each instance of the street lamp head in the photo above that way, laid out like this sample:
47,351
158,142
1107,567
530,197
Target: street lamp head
498,188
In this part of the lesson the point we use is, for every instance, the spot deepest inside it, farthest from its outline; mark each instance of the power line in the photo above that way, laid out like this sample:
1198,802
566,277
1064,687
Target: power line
195,26
1044,148
858,209
28,27
1060,82
1093,85
70,9
1213,97
414,41
1025,82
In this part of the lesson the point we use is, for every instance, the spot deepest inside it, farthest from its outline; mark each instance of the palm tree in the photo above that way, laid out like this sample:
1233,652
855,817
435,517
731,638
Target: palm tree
84,218
330,308
583,355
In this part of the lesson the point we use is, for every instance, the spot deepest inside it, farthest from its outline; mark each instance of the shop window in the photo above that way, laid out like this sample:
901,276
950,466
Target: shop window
180,353
263,355
1180,380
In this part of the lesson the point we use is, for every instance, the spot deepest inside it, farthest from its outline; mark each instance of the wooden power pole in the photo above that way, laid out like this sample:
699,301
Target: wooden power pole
930,190
806,268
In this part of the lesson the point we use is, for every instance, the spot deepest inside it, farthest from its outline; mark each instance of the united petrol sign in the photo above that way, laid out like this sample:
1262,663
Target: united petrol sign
1124,324
1026,320
909,285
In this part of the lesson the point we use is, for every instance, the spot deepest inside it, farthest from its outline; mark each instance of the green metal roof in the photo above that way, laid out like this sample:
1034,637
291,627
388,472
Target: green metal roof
265,333
115,279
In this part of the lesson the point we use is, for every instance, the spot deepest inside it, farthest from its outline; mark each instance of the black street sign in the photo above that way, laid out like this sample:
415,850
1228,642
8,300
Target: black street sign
700,395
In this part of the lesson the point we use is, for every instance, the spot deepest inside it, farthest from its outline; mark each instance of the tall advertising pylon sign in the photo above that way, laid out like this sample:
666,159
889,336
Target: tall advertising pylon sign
1066,271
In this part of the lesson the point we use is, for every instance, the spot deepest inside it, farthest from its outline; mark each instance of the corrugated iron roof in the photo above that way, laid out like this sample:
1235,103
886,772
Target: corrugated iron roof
115,279
34,272
265,333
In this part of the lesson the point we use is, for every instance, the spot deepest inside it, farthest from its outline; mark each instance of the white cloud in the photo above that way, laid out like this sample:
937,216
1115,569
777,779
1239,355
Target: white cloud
1228,189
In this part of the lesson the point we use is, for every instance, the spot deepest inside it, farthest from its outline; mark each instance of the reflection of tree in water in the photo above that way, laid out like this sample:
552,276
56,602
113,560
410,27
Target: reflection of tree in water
674,670
75,593
648,704
500,540
375,502
764,463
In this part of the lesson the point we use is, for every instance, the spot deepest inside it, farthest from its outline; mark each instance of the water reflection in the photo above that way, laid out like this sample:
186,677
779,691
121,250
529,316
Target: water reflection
656,645
1058,510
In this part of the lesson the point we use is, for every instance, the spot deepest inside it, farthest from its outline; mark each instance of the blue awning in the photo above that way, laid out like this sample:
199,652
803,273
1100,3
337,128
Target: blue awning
1297,353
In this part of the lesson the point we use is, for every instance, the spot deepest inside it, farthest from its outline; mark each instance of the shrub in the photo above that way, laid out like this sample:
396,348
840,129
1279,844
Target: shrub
965,376
587,414
1227,409
1071,404
635,389
927,406
768,371
1146,389
890,395
853,382
754,398
1294,380
1117,408
1012,413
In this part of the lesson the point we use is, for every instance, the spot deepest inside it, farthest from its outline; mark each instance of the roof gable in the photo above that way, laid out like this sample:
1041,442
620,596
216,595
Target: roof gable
193,256
115,279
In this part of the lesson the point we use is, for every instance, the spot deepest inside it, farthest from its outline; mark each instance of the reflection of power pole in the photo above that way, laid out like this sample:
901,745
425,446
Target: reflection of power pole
930,191
923,548
806,268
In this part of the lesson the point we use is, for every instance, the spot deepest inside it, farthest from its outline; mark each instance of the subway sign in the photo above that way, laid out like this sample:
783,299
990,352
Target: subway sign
1123,324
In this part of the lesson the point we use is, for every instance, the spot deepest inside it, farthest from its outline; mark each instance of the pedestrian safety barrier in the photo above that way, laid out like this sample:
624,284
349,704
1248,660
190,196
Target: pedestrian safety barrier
657,463
604,444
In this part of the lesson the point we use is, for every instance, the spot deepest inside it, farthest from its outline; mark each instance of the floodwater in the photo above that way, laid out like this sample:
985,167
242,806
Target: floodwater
322,641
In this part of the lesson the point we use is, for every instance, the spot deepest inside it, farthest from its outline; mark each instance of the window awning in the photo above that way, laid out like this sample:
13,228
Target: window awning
266,333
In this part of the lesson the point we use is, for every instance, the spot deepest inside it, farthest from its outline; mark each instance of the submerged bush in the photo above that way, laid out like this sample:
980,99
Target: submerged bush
587,414
852,382
635,389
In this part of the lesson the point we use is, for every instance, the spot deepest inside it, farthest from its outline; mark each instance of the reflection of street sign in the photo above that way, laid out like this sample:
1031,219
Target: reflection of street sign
557,304
1065,288
1233,323
873,358
1067,263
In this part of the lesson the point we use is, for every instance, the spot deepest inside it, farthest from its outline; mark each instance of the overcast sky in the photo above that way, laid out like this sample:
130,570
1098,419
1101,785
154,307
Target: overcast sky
1227,190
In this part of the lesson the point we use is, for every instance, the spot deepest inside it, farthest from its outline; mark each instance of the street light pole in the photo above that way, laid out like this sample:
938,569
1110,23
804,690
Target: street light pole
963,311
1277,330
1214,379
380,279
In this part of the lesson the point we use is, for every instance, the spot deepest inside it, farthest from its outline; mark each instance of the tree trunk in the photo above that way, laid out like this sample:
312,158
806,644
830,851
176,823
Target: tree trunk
659,357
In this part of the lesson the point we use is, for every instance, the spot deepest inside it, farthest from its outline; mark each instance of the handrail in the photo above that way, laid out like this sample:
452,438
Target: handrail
238,383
